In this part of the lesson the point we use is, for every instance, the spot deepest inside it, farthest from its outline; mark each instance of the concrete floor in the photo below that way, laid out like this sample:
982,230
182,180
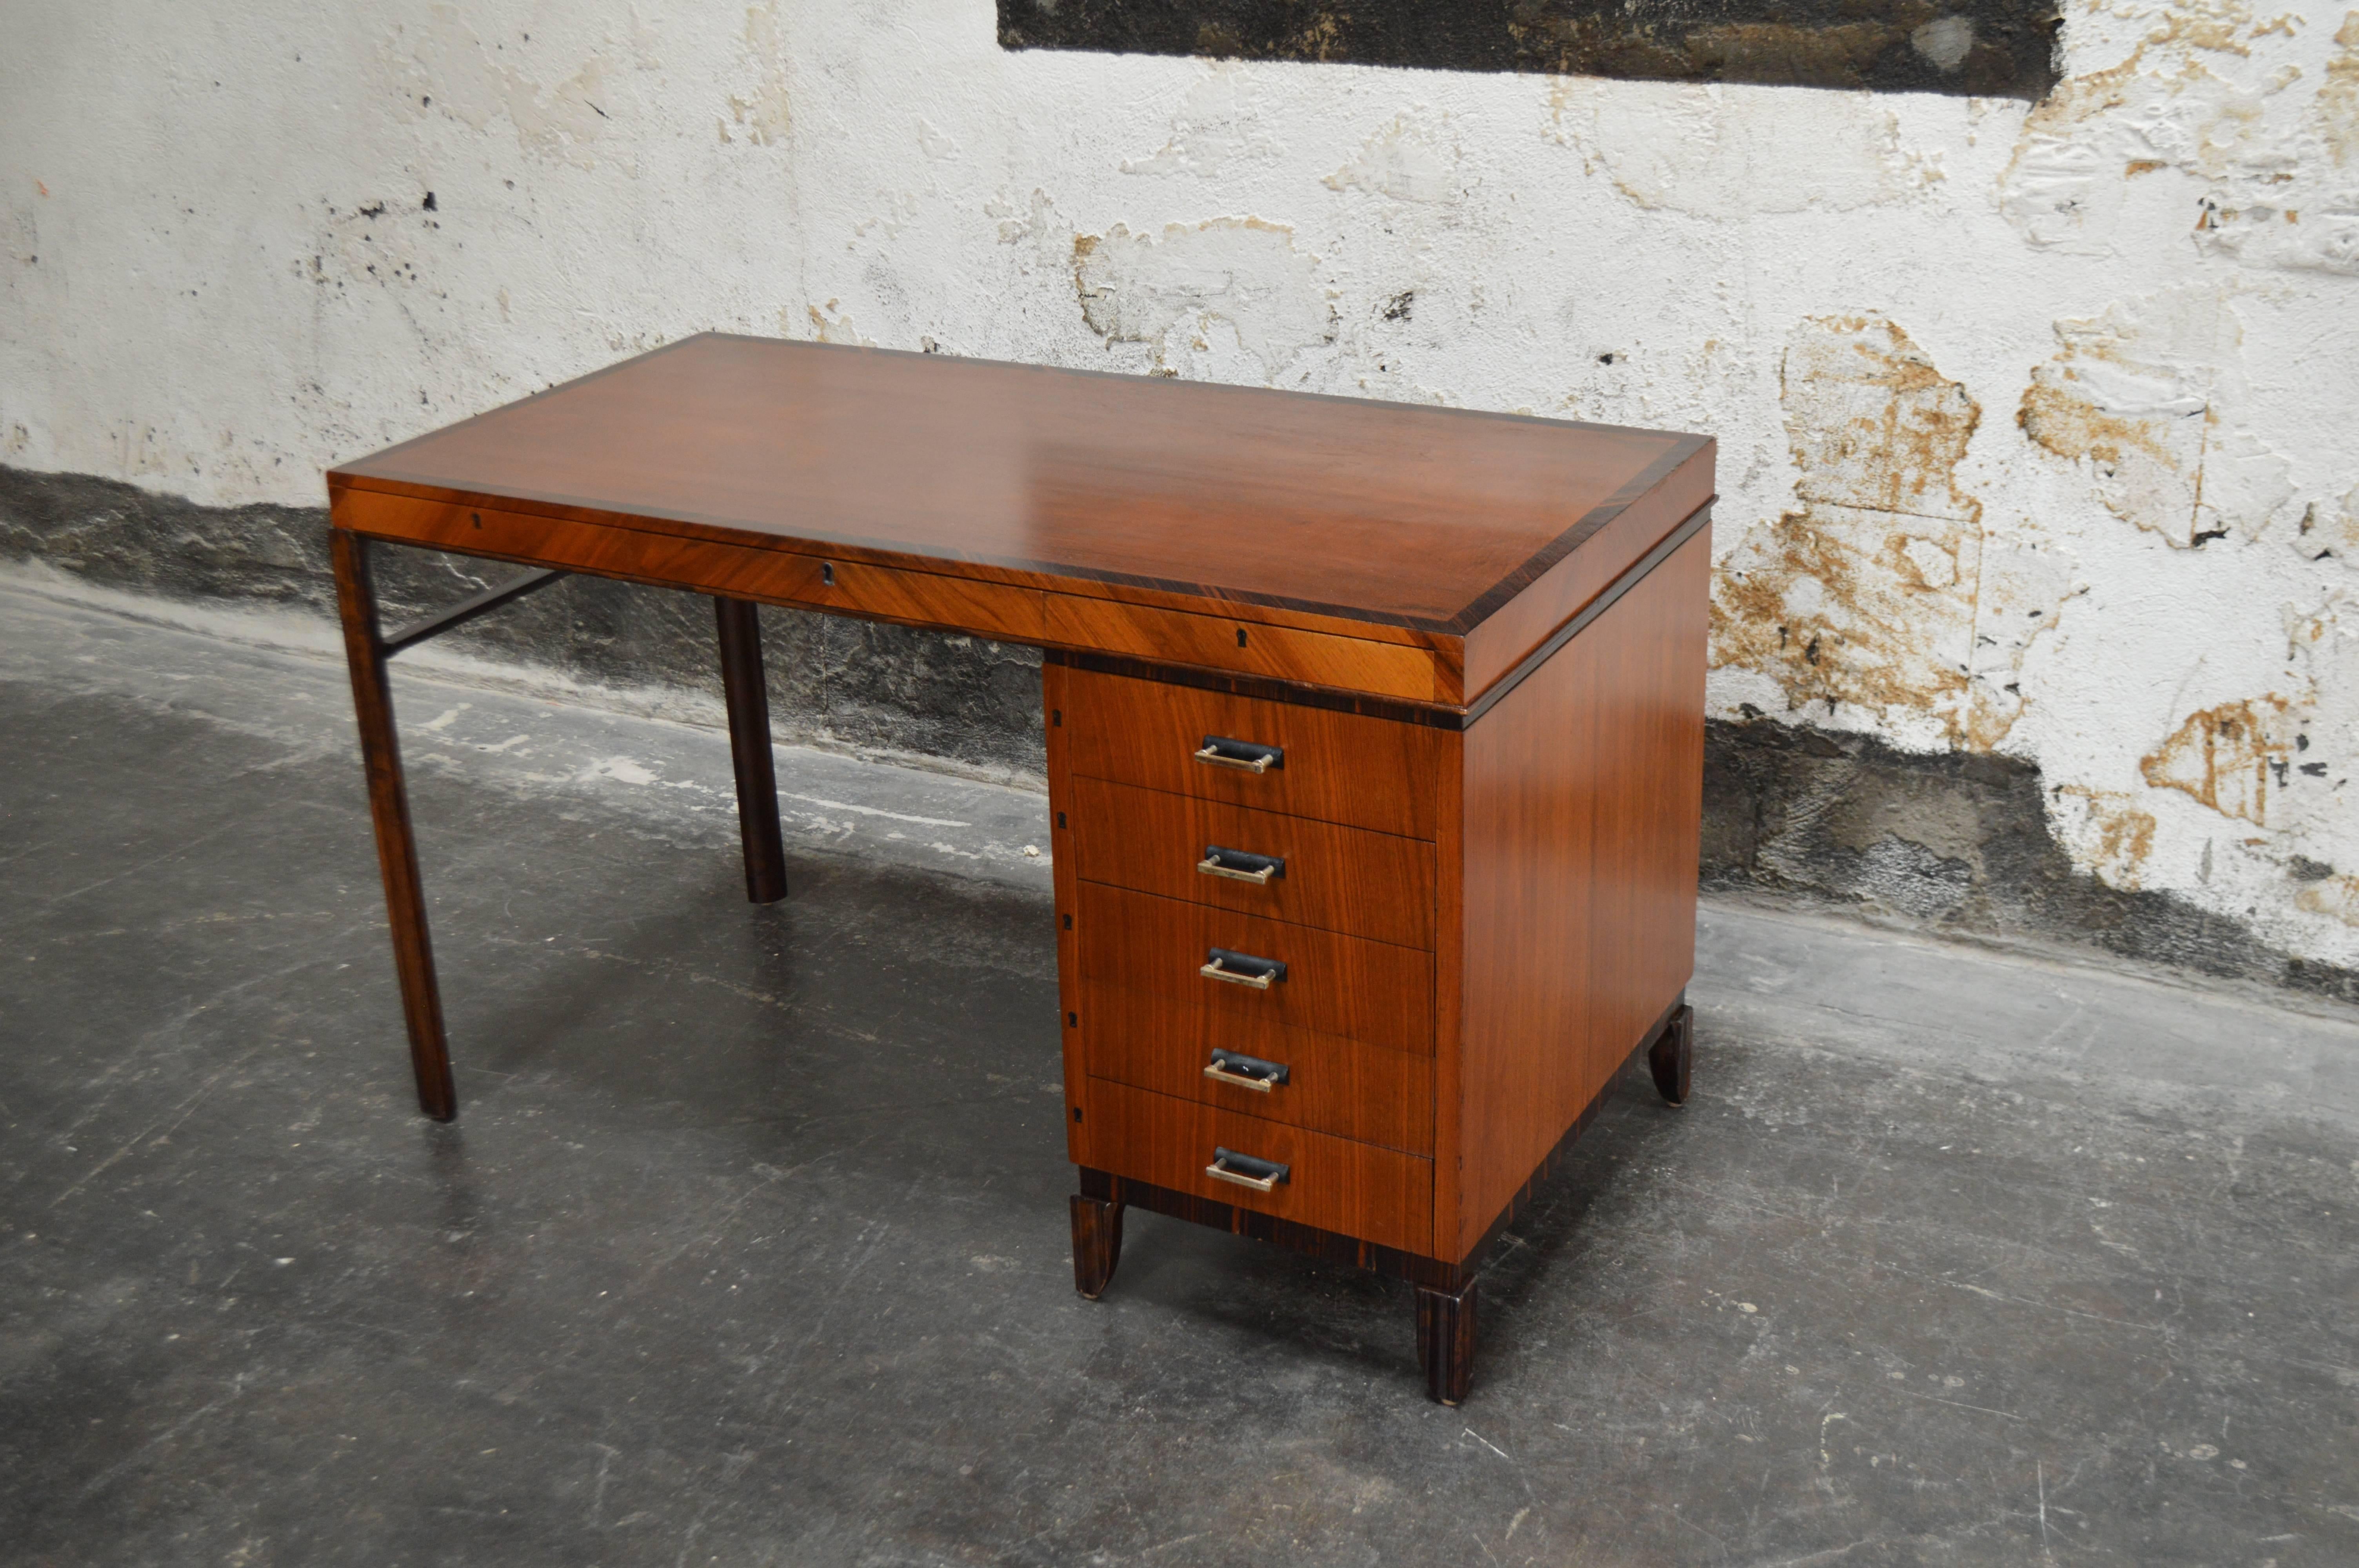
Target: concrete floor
749,1246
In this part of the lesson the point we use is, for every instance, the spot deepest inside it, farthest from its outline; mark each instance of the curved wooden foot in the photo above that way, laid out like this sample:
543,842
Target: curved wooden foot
1097,1244
1672,1054
1445,1341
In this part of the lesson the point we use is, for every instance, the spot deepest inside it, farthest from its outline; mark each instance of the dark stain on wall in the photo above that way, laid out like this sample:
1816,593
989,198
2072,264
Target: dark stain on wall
1956,842
1999,49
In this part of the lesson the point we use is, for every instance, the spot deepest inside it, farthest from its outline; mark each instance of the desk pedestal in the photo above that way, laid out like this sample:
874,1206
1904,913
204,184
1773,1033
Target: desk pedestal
1348,978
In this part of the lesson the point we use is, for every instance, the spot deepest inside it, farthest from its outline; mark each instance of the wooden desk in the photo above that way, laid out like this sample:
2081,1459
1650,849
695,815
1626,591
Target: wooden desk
1375,740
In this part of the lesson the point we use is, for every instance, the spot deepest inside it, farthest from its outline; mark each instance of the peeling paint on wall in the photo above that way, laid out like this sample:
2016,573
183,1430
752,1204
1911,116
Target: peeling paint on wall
1408,160
445,67
2126,395
2338,98
2150,399
1683,152
1173,291
1221,125
760,114
2205,98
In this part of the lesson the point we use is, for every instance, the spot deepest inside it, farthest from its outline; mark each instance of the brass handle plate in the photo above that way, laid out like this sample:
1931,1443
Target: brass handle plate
1246,756
1246,1072
1241,969
1239,865
1261,1175
1248,765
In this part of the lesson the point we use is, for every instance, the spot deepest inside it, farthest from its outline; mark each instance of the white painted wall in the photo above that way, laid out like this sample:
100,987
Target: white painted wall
1982,373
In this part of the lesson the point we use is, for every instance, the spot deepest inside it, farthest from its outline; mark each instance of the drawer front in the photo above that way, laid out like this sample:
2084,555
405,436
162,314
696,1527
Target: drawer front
1251,647
1340,879
1345,1088
1338,767
1345,986
1376,1195
924,599
774,575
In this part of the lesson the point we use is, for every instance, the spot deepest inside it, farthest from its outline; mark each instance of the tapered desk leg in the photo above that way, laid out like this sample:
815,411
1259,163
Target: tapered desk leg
1671,1057
396,851
1097,1244
1445,1340
749,749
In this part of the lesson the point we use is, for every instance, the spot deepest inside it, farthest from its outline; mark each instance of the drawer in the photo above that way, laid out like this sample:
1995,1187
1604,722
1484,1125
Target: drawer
1334,984
1345,1088
1377,1194
1340,879
1284,653
774,576
924,599
1337,767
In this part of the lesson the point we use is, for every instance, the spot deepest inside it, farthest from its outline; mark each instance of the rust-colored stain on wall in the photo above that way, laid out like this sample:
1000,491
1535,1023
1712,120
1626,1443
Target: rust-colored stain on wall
1869,593
2118,838
2230,756
2334,895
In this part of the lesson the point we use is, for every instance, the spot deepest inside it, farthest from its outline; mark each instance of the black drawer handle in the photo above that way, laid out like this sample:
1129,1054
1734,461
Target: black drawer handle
1222,752
1261,1175
1246,1072
1239,866
1241,968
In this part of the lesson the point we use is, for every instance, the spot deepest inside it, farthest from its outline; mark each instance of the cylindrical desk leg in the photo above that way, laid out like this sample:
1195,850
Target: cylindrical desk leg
749,749
396,851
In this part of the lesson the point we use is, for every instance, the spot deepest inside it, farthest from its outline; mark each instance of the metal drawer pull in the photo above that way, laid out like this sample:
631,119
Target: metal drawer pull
1239,866
1241,968
1222,752
1246,1072
1261,1175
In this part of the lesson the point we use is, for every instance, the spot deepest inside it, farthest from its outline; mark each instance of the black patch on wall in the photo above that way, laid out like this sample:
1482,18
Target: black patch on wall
1957,841
1995,49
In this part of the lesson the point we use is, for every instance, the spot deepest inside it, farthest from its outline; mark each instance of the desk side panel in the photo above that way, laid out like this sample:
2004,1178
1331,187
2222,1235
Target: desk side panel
1583,793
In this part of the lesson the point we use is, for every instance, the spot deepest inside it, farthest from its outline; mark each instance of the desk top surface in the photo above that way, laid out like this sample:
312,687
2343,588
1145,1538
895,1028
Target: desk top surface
1409,515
